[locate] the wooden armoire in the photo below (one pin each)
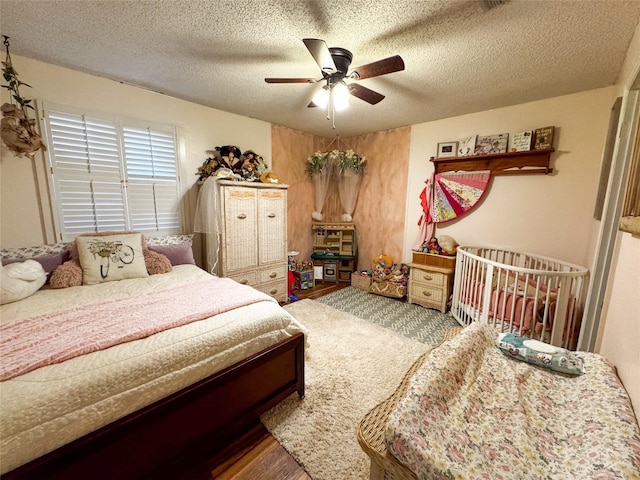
(253, 236)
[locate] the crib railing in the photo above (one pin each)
(527, 294)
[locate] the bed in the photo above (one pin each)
(468, 410)
(532, 295)
(155, 404)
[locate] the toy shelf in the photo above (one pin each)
(509, 163)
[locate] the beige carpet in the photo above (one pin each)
(351, 366)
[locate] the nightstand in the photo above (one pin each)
(430, 286)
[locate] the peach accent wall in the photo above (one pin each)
(289, 150)
(380, 210)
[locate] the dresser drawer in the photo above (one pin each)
(246, 278)
(428, 278)
(276, 272)
(277, 289)
(422, 293)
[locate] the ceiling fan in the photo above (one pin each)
(334, 64)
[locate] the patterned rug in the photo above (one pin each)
(413, 321)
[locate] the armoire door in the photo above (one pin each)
(240, 228)
(272, 225)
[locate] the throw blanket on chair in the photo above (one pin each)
(53, 338)
(472, 412)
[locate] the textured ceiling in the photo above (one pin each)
(459, 58)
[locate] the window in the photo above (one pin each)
(109, 174)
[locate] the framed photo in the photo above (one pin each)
(447, 149)
(543, 138)
(521, 141)
(467, 146)
(488, 144)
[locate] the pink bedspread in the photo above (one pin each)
(53, 338)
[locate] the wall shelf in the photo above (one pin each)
(510, 163)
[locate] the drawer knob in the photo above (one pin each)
(426, 294)
(242, 216)
(244, 281)
(271, 215)
(273, 275)
(274, 291)
(428, 277)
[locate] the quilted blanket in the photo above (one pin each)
(472, 412)
(53, 338)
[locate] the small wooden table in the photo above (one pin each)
(430, 286)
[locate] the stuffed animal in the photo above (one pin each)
(379, 273)
(448, 245)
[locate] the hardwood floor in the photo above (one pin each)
(263, 457)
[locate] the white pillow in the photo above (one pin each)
(20, 280)
(111, 257)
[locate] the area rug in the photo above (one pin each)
(351, 366)
(423, 324)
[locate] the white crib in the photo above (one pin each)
(523, 293)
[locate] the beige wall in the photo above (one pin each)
(551, 215)
(620, 323)
(24, 223)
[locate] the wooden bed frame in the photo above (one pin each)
(173, 437)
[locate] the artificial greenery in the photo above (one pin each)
(317, 162)
(344, 160)
(13, 83)
(350, 160)
(18, 130)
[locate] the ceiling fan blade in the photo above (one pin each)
(321, 54)
(364, 93)
(290, 80)
(381, 67)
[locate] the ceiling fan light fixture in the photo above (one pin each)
(340, 96)
(321, 98)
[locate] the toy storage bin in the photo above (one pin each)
(361, 282)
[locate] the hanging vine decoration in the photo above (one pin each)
(16, 129)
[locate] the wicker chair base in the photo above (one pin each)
(370, 430)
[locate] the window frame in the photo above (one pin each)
(119, 122)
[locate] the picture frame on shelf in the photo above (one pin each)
(490, 144)
(467, 146)
(543, 138)
(521, 141)
(447, 149)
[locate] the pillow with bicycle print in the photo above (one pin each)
(105, 258)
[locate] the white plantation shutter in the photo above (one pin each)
(150, 157)
(106, 177)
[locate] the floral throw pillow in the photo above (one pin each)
(112, 257)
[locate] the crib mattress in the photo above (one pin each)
(54, 405)
(471, 412)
